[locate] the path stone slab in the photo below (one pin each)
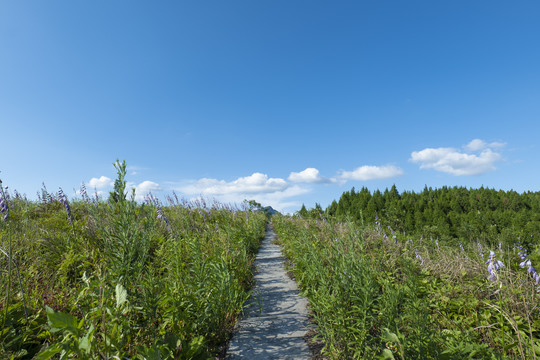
(275, 320)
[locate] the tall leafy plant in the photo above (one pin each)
(126, 238)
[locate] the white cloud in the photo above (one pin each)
(478, 144)
(475, 145)
(100, 183)
(135, 170)
(372, 172)
(253, 184)
(455, 162)
(142, 189)
(275, 192)
(279, 200)
(495, 145)
(147, 186)
(309, 175)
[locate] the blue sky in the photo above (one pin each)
(285, 102)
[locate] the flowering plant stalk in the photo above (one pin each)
(9, 254)
(493, 266)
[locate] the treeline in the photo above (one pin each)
(449, 212)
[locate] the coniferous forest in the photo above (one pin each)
(450, 213)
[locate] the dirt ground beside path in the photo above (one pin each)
(275, 323)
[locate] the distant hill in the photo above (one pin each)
(253, 205)
(270, 210)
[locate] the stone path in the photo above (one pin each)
(275, 321)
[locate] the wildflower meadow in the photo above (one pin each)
(94, 278)
(378, 294)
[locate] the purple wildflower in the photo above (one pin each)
(6, 193)
(524, 263)
(419, 257)
(84, 193)
(162, 216)
(3, 203)
(63, 198)
(493, 266)
(95, 200)
(378, 223)
(177, 201)
(480, 249)
(46, 196)
(530, 269)
(523, 253)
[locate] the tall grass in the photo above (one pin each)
(121, 279)
(378, 294)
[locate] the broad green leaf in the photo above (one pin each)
(84, 343)
(48, 352)
(389, 336)
(121, 295)
(62, 321)
(387, 354)
(153, 354)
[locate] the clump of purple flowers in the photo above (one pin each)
(480, 249)
(46, 196)
(378, 223)
(419, 257)
(522, 253)
(493, 266)
(527, 263)
(161, 216)
(84, 193)
(63, 199)
(150, 199)
(4, 210)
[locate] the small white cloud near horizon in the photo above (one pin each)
(100, 183)
(478, 144)
(369, 172)
(309, 175)
(142, 189)
(452, 161)
(253, 184)
(274, 192)
(135, 170)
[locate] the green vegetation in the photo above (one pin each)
(94, 279)
(444, 274)
(447, 213)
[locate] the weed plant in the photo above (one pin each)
(103, 279)
(378, 294)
